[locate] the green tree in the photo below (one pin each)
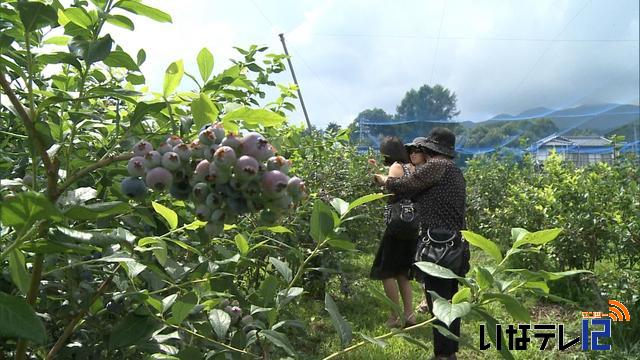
(333, 128)
(428, 103)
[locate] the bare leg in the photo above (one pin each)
(391, 289)
(407, 297)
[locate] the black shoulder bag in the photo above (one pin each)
(445, 248)
(401, 214)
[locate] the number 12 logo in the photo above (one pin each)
(596, 334)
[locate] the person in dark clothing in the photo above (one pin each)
(395, 254)
(438, 189)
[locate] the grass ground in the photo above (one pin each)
(367, 315)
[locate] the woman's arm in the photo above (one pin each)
(424, 178)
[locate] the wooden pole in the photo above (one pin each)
(293, 74)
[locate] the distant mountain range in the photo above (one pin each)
(600, 119)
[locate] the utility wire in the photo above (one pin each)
(535, 64)
(435, 53)
(454, 38)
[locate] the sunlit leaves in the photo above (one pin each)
(169, 215)
(264, 117)
(144, 10)
(205, 63)
(120, 58)
(446, 311)
(172, 77)
(121, 21)
(203, 111)
(483, 243)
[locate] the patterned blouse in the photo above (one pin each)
(438, 189)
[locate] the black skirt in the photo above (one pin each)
(395, 254)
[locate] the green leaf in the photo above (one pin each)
(27, 208)
(35, 15)
(78, 16)
(279, 229)
(537, 285)
(18, 320)
(518, 233)
(133, 267)
(484, 277)
(538, 238)
(168, 301)
(436, 270)
(342, 326)
(181, 307)
(282, 268)
(195, 225)
(464, 294)
(205, 63)
(268, 290)
(220, 322)
(278, 339)
(447, 312)
(342, 244)
(97, 210)
(18, 271)
(141, 56)
(61, 40)
(133, 329)
(322, 222)
(120, 58)
(242, 244)
(285, 296)
(515, 309)
(264, 117)
(546, 275)
(365, 199)
(340, 205)
(144, 10)
(185, 246)
(143, 108)
(172, 77)
(169, 215)
(121, 21)
(204, 111)
(374, 341)
(159, 249)
(486, 245)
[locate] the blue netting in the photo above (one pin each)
(372, 132)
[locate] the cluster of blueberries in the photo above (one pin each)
(224, 174)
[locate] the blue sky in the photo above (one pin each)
(502, 56)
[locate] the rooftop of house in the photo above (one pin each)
(581, 141)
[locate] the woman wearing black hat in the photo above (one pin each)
(397, 249)
(439, 191)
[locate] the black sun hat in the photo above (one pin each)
(442, 141)
(419, 142)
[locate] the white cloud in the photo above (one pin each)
(353, 55)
